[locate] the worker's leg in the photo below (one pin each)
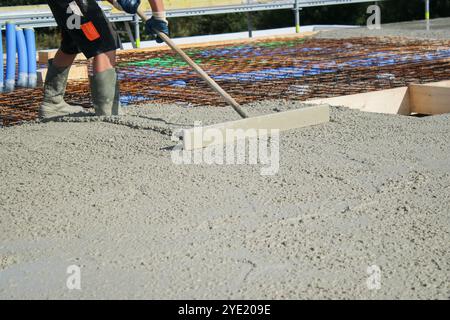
(63, 60)
(58, 69)
(105, 85)
(56, 82)
(96, 38)
(104, 61)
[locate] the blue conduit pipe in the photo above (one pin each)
(10, 56)
(1, 61)
(22, 80)
(30, 39)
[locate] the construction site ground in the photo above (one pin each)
(365, 190)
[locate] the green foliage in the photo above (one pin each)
(392, 10)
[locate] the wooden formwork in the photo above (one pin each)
(77, 72)
(428, 99)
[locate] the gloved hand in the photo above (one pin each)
(159, 25)
(129, 6)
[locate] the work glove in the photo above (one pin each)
(153, 25)
(129, 6)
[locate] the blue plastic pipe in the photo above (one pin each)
(10, 56)
(30, 39)
(22, 80)
(1, 61)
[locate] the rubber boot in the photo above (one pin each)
(105, 93)
(54, 90)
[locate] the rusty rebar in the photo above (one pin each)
(295, 69)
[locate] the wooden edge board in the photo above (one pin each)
(445, 84)
(225, 133)
(77, 72)
(45, 55)
(224, 42)
(429, 99)
(391, 101)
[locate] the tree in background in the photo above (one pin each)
(392, 11)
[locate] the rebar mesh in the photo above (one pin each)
(296, 69)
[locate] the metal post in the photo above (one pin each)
(137, 32)
(427, 13)
(250, 24)
(297, 17)
(130, 34)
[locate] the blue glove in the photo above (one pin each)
(129, 6)
(159, 25)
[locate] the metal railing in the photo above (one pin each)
(40, 16)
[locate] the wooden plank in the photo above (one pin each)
(429, 99)
(226, 42)
(194, 138)
(391, 101)
(445, 84)
(285, 37)
(45, 55)
(77, 72)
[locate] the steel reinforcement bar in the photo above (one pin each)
(294, 69)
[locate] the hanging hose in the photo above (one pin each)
(10, 56)
(1, 61)
(30, 40)
(22, 80)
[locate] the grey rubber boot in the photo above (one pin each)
(106, 93)
(54, 90)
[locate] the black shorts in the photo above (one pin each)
(84, 26)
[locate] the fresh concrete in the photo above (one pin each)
(365, 189)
